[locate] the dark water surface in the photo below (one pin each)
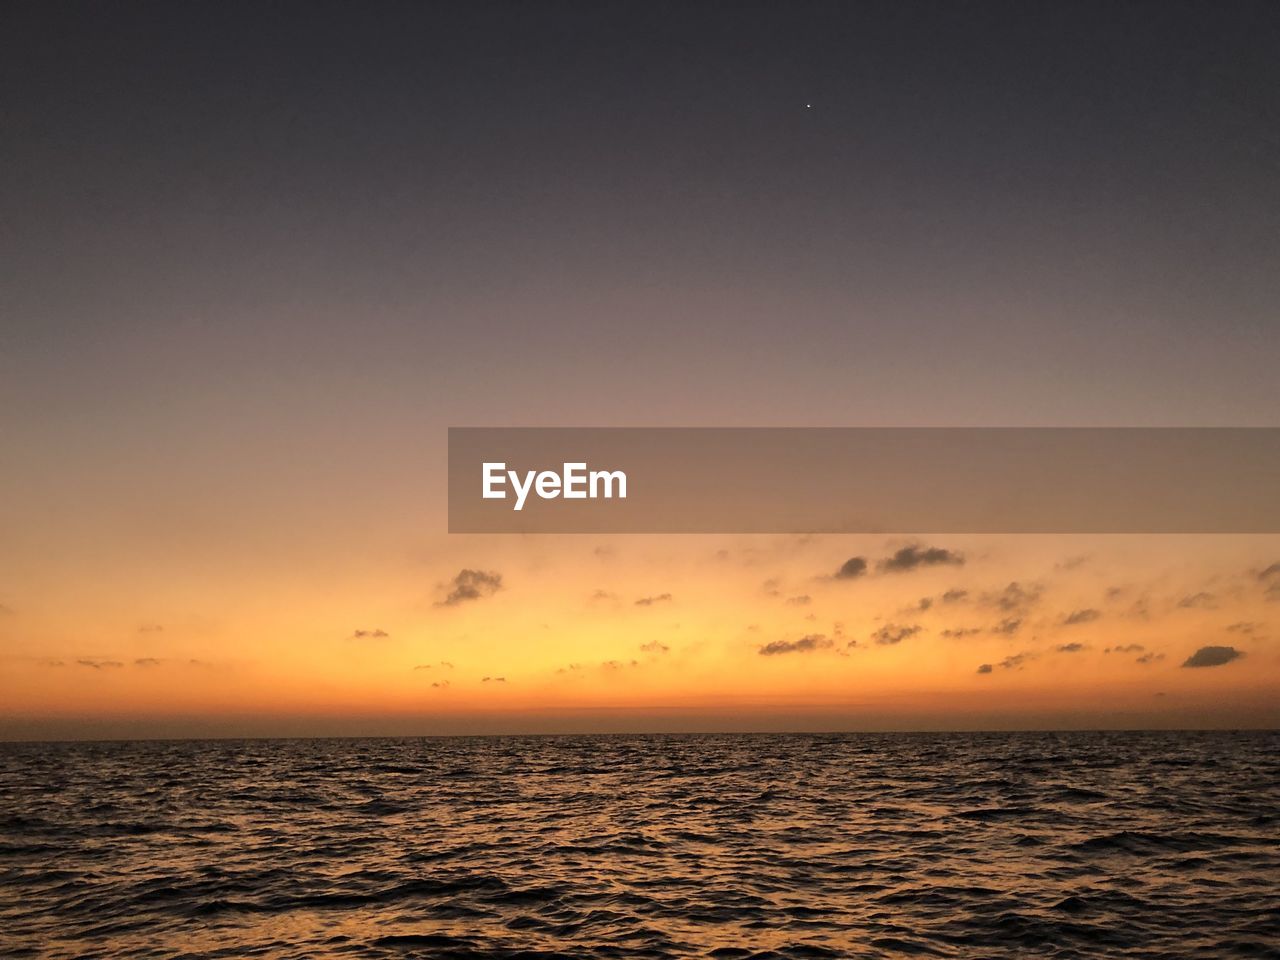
(986, 845)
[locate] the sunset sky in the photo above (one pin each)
(254, 261)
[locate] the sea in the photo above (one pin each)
(980, 845)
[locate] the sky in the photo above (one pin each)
(255, 261)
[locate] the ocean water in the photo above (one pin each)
(965, 845)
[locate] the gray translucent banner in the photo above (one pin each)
(864, 480)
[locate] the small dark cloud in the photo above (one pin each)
(1072, 563)
(440, 685)
(914, 557)
(493, 680)
(1076, 617)
(51, 662)
(924, 603)
(958, 633)
(814, 641)
(443, 665)
(151, 628)
(1008, 626)
(650, 601)
(1244, 626)
(147, 662)
(891, 634)
(1070, 647)
(1198, 600)
(471, 585)
(375, 634)
(100, 664)
(1150, 658)
(653, 646)
(955, 596)
(612, 665)
(1014, 597)
(800, 601)
(984, 668)
(1016, 661)
(603, 596)
(1271, 572)
(1212, 657)
(852, 568)
(1126, 648)
(771, 587)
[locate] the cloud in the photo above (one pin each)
(1016, 661)
(852, 568)
(814, 641)
(151, 628)
(914, 557)
(1244, 626)
(440, 685)
(961, 632)
(472, 585)
(100, 664)
(612, 665)
(1150, 658)
(1212, 657)
(1013, 597)
(375, 634)
(800, 601)
(443, 664)
(984, 668)
(653, 646)
(650, 601)
(954, 596)
(147, 662)
(1070, 647)
(924, 603)
(1202, 600)
(1272, 571)
(603, 596)
(1075, 617)
(1126, 648)
(493, 680)
(891, 634)
(1008, 626)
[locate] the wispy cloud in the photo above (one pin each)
(471, 585)
(1076, 617)
(650, 601)
(891, 634)
(1016, 661)
(1013, 598)
(375, 634)
(1199, 600)
(814, 641)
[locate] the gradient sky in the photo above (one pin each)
(254, 261)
